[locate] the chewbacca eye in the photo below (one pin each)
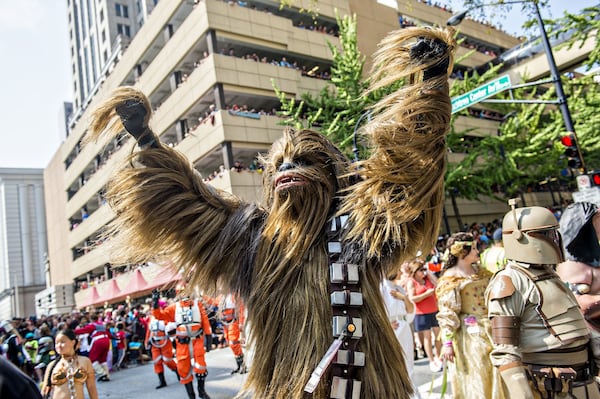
(303, 162)
(285, 166)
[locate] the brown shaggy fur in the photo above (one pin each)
(274, 255)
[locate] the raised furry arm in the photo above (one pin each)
(396, 206)
(163, 208)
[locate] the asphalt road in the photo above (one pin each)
(138, 382)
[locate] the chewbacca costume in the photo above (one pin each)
(312, 255)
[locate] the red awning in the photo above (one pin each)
(137, 284)
(165, 280)
(112, 293)
(92, 297)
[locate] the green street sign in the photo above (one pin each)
(481, 93)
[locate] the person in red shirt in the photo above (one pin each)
(100, 346)
(121, 336)
(192, 324)
(421, 290)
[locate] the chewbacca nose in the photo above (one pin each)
(285, 166)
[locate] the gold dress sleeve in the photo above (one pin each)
(449, 305)
(463, 311)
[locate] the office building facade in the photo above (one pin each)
(23, 243)
(208, 68)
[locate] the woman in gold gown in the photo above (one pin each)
(465, 329)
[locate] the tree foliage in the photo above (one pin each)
(577, 29)
(525, 151)
(340, 108)
(527, 148)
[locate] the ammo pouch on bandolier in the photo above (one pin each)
(551, 380)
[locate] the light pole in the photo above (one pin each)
(560, 93)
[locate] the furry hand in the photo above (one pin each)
(133, 114)
(428, 49)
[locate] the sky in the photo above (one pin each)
(34, 69)
(36, 75)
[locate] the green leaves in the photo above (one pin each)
(524, 150)
(585, 25)
(336, 109)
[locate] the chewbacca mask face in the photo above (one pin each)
(302, 164)
(303, 173)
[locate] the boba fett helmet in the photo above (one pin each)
(530, 235)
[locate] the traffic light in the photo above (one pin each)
(571, 152)
(595, 178)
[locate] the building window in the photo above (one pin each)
(103, 35)
(101, 15)
(121, 10)
(123, 30)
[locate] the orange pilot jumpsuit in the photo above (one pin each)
(232, 316)
(162, 350)
(192, 324)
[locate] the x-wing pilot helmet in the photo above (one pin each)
(181, 291)
(185, 291)
(530, 235)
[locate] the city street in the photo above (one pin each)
(139, 381)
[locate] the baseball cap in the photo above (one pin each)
(497, 234)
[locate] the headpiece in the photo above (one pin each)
(458, 246)
(415, 265)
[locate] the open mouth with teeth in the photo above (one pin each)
(289, 180)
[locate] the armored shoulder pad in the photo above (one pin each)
(502, 287)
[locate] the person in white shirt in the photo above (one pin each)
(401, 312)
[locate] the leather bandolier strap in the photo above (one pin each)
(346, 301)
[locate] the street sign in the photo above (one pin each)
(481, 93)
(588, 195)
(583, 182)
